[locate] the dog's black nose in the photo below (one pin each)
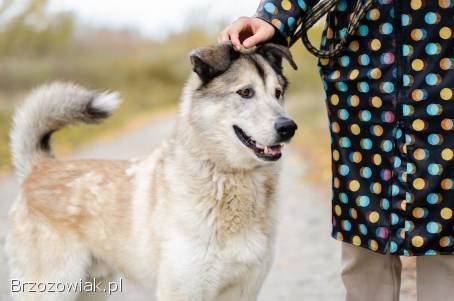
(285, 127)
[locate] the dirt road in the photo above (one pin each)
(307, 262)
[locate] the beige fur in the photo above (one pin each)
(194, 219)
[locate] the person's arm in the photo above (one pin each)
(275, 20)
(284, 15)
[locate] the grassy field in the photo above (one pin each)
(148, 74)
(147, 79)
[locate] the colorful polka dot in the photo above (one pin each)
(354, 185)
(446, 241)
(446, 213)
(374, 217)
(417, 241)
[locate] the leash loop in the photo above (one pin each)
(316, 13)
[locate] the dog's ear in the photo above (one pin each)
(211, 61)
(274, 53)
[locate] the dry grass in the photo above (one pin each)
(148, 74)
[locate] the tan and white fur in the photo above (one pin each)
(195, 219)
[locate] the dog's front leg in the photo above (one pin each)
(184, 289)
(186, 273)
(247, 287)
(253, 283)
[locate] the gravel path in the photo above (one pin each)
(307, 263)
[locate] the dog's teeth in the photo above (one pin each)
(266, 149)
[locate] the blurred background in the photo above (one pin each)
(140, 48)
(137, 47)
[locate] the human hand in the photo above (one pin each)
(247, 32)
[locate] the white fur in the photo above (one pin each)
(199, 224)
(49, 108)
(107, 101)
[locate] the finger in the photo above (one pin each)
(223, 37)
(258, 37)
(238, 29)
(235, 39)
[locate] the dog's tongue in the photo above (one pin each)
(273, 150)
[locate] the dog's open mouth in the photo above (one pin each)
(265, 152)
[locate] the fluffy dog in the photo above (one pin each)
(195, 219)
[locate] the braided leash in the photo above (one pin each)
(316, 13)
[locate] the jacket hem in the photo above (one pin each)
(379, 251)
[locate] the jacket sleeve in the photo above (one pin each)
(284, 15)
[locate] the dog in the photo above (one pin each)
(194, 220)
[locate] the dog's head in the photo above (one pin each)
(236, 103)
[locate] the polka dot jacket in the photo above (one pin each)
(391, 109)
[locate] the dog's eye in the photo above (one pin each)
(278, 93)
(246, 93)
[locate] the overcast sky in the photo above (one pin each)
(155, 17)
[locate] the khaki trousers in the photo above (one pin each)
(370, 276)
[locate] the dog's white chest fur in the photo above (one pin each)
(213, 225)
(233, 212)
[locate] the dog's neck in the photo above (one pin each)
(193, 148)
(231, 200)
(199, 161)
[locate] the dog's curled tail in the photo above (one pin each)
(48, 109)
